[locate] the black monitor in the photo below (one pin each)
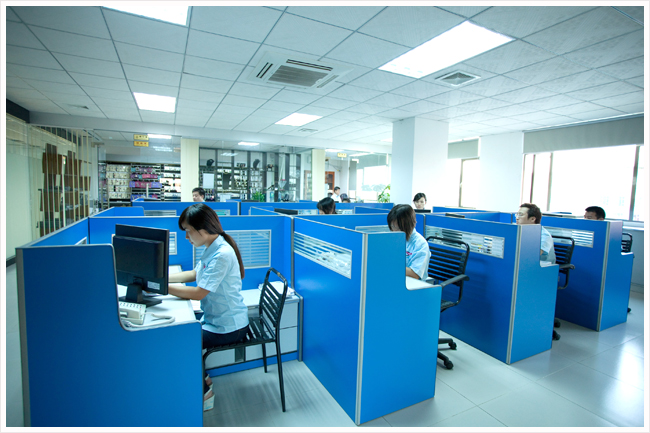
(422, 210)
(141, 262)
(286, 211)
(455, 215)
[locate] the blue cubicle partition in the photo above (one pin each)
(367, 222)
(309, 205)
(508, 304)
(366, 338)
(437, 209)
(365, 209)
(598, 293)
(71, 334)
(175, 208)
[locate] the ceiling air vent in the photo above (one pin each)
(307, 130)
(457, 78)
(303, 72)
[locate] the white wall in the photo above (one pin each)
(501, 166)
(18, 204)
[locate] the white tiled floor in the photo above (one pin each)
(587, 379)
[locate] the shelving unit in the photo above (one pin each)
(102, 185)
(170, 179)
(145, 181)
(128, 181)
(117, 182)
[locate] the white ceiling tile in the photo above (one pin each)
(391, 100)
(155, 76)
(526, 94)
(551, 102)
(513, 55)
(31, 57)
(77, 45)
(493, 86)
(498, 121)
(603, 91)
(84, 20)
(410, 25)
(268, 114)
(635, 12)
(48, 86)
(196, 121)
(216, 47)
(284, 107)
(366, 51)
(349, 17)
(16, 83)
(18, 34)
(252, 90)
(522, 126)
(193, 111)
(65, 100)
(145, 32)
(637, 81)
(199, 95)
(626, 99)
(631, 109)
(252, 125)
(15, 94)
(149, 57)
(476, 117)
(624, 70)
(122, 114)
(352, 93)
(80, 111)
(367, 109)
(421, 89)
(347, 116)
(204, 106)
(422, 107)
(295, 97)
(612, 51)
(219, 123)
(557, 120)
(212, 68)
(278, 129)
(511, 110)
(570, 110)
(466, 11)
(227, 21)
(396, 114)
(11, 16)
(108, 93)
(235, 110)
(375, 120)
(449, 113)
(590, 28)
(333, 103)
(304, 35)
(533, 117)
(90, 66)
(100, 82)
(153, 89)
(328, 122)
(382, 81)
(484, 104)
(520, 21)
(355, 71)
(598, 114)
(454, 97)
(105, 103)
(195, 82)
(243, 101)
(42, 74)
(552, 69)
(157, 117)
(40, 105)
(576, 82)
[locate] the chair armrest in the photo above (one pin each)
(456, 279)
(567, 266)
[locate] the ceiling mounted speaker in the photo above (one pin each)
(301, 72)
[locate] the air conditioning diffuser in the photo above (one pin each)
(296, 71)
(457, 78)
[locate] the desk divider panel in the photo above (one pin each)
(72, 234)
(599, 287)
(175, 208)
(361, 209)
(80, 366)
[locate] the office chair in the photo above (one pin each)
(264, 328)
(563, 253)
(447, 266)
(626, 247)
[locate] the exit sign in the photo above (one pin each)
(140, 137)
(141, 143)
(341, 155)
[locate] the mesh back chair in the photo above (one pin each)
(447, 266)
(626, 247)
(265, 328)
(564, 246)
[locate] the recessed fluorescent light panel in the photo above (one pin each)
(297, 119)
(166, 104)
(164, 137)
(453, 46)
(228, 154)
(245, 143)
(176, 14)
(360, 154)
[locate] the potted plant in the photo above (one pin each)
(258, 196)
(384, 195)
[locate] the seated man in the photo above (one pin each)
(530, 214)
(198, 194)
(595, 213)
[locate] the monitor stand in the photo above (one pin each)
(134, 294)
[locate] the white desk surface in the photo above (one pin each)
(413, 284)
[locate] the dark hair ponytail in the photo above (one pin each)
(203, 217)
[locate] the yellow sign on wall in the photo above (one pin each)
(141, 143)
(140, 137)
(341, 155)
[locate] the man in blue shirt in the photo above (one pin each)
(531, 214)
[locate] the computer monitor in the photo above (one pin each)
(455, 215)
(286, 211)
(141, 262)
(422, 210)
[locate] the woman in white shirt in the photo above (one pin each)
(218, 278)
(401, 218)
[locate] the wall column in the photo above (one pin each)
(418, 161)
(318, 174)
(502, 159)
(189, 167)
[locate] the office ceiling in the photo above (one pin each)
(80, 65)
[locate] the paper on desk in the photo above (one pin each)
(279, 286)
(196, 305)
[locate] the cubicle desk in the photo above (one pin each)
(599, 288)
(370, 339)
(508, 303)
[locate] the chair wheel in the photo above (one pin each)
(557, 323)
(449, 365)
(629, 309)
(452, 345)
(556, 336)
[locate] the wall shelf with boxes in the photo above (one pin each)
(170, 179)
(129, 181)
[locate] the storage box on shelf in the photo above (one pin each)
(170, 180)
(117, 180)
(145, 181)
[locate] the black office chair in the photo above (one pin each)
(447, 266)
(264, 328)
(626, 247)
(563, 253)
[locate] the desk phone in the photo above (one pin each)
(132, 312)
